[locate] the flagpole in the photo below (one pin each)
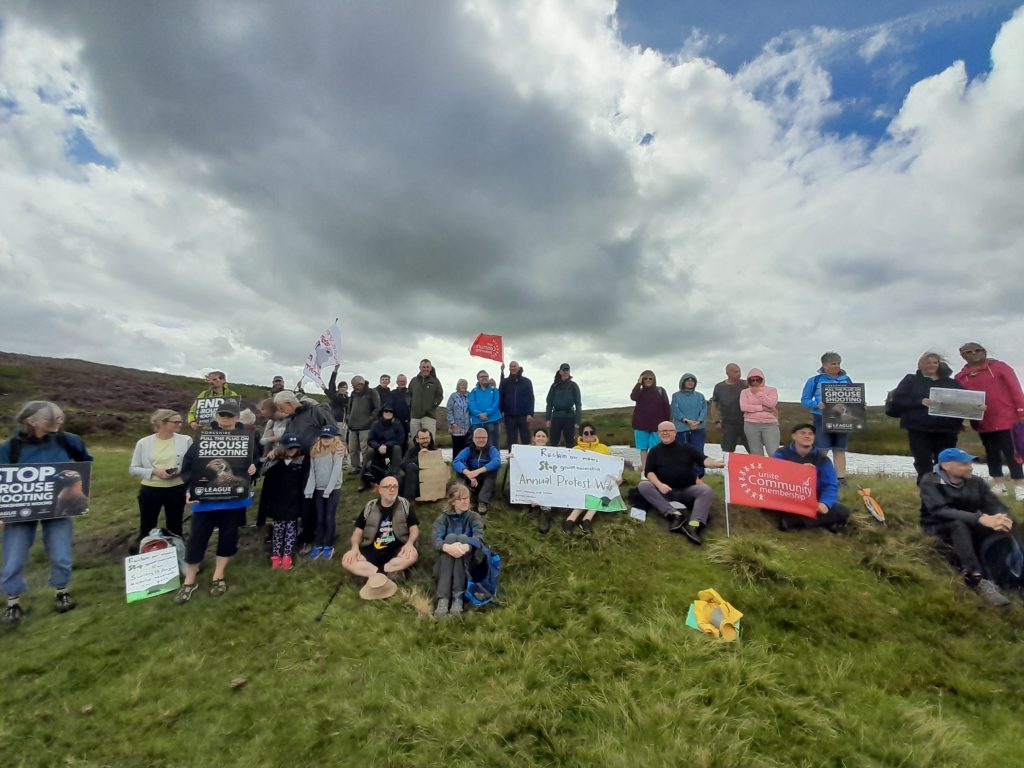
(728, 532)
(725, 472)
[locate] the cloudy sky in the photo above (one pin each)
(664, 184)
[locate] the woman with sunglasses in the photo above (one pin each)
(652, 408)
(157, 460)
(1004, 407)
(587, 441)
(760, 407)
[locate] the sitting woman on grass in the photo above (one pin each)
(587, 441)
(457, 536)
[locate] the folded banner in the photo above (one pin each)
(487, 346)
(326, 351)
(565, 477)
(785, 486)
(44, 491)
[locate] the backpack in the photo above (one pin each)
(891, 409)
(62, 440)
(1002, 560)
(160, 538)
(482, 581)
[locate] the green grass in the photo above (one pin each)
(858, 650)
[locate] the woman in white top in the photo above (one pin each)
(157, 460)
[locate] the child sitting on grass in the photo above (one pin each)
(457, 536)
(284, 481)
(327, 458)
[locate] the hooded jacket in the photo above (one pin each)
(754, 401)
(425, 395)
(469, 524)
(564, 400)
(363, 407)
(688, 405)
(943, 501)
(483, 400)
(811, 396)
(652, 406)
(1004, 401)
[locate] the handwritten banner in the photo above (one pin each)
(151, 574)
(44, 491)
(565, 477)
(785, 486)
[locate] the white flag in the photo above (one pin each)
(326, 351)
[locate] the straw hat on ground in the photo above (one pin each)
(378, 587)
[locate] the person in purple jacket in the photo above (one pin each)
(652, 408)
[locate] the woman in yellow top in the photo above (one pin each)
(587, 441)
(157, 460)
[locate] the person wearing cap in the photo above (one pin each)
(928, 435)
(283, 497)
(363, 409)
(652, 408)
(962, 511)
(1004, 407)
(157, 459)
(383, 448)
(217, 386)
(830, 372)
(563, 411)
(39, 438)
(516, 400)
(323, 486)
(276, 385)
(760, 406)
(689, 412)
(207, 515)
(725, 410)
(671, 476)
(477, 466)
(802, 450)
(385, 535)
(485, 406)
(457, 536)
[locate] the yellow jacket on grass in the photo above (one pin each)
(715, 616)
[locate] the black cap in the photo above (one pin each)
(563, 367)
(228, 408)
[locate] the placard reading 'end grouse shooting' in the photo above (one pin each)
(207, 407)
(844, 408)
(221, 470)
(44, 491)
(565, 477)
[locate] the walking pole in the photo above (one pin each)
(331, 598)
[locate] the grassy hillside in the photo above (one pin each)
(859, 649)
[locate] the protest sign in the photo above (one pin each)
(151, 574)
(565, 477)
(785, 486)
(487, 346)
(44, 491)
(958, 403)
(326, 351)
(221, 469)
(844, 408)
(207, 407)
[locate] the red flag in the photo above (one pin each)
(785, 486)
(487, 346)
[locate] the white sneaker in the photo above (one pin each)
(999, 488)
(1018, 491)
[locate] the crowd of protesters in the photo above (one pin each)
(302, 447)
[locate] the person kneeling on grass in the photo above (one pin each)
(672, 477)
(282, 497)
(457, 536)
(587, 441)
(207, 515)
(327, 460)
(831, 514)
(477, 466)
(962, 511)
(384, 539)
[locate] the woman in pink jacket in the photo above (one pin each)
(759, 405)
(1004, 407)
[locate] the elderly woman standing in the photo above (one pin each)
(928, 435)
(458, 416)
(157, 460)
(39, 438)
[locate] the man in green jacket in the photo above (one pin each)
(202, 413)
(426, 393)
(563, 413)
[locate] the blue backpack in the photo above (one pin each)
(482, 584)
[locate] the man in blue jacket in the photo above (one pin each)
(831, 514)
(517, 404)
(477, 465)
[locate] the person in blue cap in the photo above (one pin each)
(963, 512)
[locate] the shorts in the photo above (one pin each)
(378, 557)
(826, 440)
(645, 440)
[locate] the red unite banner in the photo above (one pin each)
(487, 346)
(757, 481)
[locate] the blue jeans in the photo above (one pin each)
(18, 540)
(696, 438)
(493, 432)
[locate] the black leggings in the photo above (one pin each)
(999, 451)
(152, 499)
(925, 447)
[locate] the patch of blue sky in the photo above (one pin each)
(78, 148)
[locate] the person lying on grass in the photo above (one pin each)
(457, 535)
(385, 535)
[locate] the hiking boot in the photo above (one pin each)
(441, 609)
(482, 507)
(286, 563)
(327, 553)
(544, 520)
(676, 522)
(587, 526)
(991, 593)
(184, 593)
(218, 586)
(65, 602)
(315, 553)
(456, 607)
(568, 526)
(12, 616)
(275, 563)
(692, 532)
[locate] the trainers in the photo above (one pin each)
(305, 549)
(286, 563)
(65, 602)
(544, 523)
(999, 488)
(568, 526)
(482, 507)
(327, 553)
(184, 593)
(218, 586)
(587, 526)
(1018, 492)
(676, 522)
(456, 607)
(441, 609)
(991, 593)
(692, 532)
(315, 553)
(12, 616)
(275, 563)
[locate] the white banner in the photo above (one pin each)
(326, 351)
(151, 574)
(565, 477)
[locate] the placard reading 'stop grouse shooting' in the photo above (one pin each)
(221, 469)
(44, 491)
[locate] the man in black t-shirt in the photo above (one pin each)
(384, 539)
(671, 475)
